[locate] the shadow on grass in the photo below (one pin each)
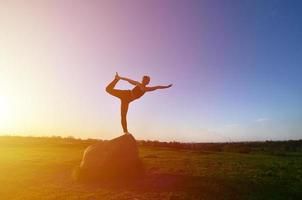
(179, 185)
(199, 187)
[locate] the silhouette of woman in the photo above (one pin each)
(127, 96)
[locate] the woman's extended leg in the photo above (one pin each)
(110, 89)
(124, 110)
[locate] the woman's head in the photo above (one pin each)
(146, 80)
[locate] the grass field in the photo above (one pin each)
(41, 168)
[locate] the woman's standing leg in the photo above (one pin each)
(125, 97)
(124, 110)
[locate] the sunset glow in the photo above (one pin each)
(5, 111)
(229, 72)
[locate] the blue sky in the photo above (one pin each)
(235, 66)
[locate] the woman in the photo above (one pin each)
(127, 96)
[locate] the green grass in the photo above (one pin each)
(41, 168)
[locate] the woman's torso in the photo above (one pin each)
(136, 92)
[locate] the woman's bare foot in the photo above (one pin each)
(117, 76)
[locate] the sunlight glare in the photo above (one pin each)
(5, 111)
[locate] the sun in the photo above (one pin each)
(5, 111)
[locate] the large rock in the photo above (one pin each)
(117, 158)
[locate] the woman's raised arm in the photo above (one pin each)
(128, 79)
(148, 89)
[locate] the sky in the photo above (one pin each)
(235, 65)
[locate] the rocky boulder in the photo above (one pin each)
(114, 159)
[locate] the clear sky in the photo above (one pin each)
(236, 66)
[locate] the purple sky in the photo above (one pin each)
(235, 66)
